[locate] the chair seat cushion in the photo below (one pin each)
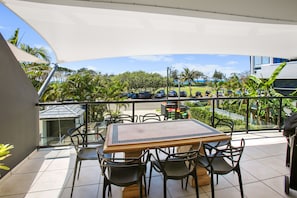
(124, 176)
(86, 153)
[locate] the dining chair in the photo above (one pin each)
(223, 122)
(222, 161)
(127, 118)
(175, 166)
(150, 117)
(120, 118)
(123, 172)
(84, 150)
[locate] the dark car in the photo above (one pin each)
(160, 94)
(183, 94)
(132, 95)
(144, 95)
(207, 93)
(172, 93)
(198, 94)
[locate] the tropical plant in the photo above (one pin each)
(257, 87)
(4, 153)
(37, 73)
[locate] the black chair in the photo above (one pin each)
(176, 166)
(150, 117)
(123, 172)
(222, 161)
(127, 118)
(120, 118)
(80, 142)
(225, 122)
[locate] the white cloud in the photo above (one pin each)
(153, 58)
(231, 63)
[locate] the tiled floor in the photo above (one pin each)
(48, 173)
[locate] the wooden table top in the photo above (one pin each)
(131, 137)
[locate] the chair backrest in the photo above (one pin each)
(224, 122)
(230, 154)
(188, 158)
(79, 138)
(76, 137)
(109, 163)
(127, 118)
(150, 117)
(120, 118)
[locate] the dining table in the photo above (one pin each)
(133, 138)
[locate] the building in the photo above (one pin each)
(54, 122)
(286, 81)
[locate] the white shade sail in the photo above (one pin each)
(23, 56)
(82, 30)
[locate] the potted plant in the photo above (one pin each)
(4, 153)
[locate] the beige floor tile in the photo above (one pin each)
(32, 166)
(18, 184)
(60, 164)
(278, 184)
(276, 164)
(223, 183)
(258, 170)
(89, 191)
(14, 196)
(45, 194)
(231, 192)
(246, 178)
(87, 176)
(259, 190)
(51, 180)
(175, 189)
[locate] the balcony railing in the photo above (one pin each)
(248, 113)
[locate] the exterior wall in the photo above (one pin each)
(289, 72)
(286, 81)
(19, 113)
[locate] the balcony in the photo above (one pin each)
(48, 172)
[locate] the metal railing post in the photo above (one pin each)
(247, 116)
(87, 120)
(213, 112)
(280, 114)
(133, 111)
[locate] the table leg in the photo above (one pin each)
(133, 190)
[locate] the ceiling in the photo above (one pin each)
(83, 30)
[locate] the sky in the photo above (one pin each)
(205, 63)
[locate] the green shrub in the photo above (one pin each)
(4, 153)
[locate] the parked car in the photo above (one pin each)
(172, 93)
(183, 94)
(133, 95)
(145, 95)
(198, 94)
(207, 93)
(160, 94)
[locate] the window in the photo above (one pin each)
(260, 60)
(279, 60)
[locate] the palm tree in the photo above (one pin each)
(38, 52)
(37, 73)
(189, 76)
(15, 38)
